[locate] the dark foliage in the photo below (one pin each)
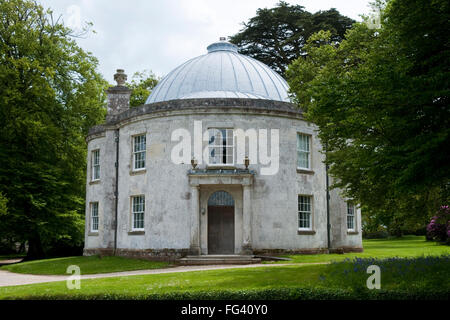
(277, 36)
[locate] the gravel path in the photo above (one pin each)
(15, 279)
(10, 261)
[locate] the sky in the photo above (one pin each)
(157, 36)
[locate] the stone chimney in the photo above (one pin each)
(118, 96)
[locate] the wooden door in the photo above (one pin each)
(220, 229)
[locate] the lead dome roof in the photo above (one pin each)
(221, 73)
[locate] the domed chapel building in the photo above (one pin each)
(217, 162)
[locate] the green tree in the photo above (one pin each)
(277, 36)
(5, 237)
(50, 95)
(3, 213)
(3, 205)
(380, 99)
(142, 84)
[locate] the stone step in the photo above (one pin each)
(218, 259)
(220, 256)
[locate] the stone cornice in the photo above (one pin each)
(205, 105)
(242, 177)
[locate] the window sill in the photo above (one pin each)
(352, 232)
(94, 181)
(136, 172)
(306, 232)
(136, 233)
(93, 233)
(305, 171)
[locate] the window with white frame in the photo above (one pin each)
(221, 147)
(303, 151)
(139, 150)
(95, 165)
(304, 213)
(137, 212)
(350, 216)
(94, 216)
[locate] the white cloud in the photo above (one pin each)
(160, 35)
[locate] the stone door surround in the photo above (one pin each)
(224, 178)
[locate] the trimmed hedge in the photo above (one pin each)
(263, 294)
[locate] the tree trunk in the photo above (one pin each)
(35, 250)
(22, 247)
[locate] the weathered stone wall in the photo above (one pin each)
(102, 192)
(168, 193)
(340, 237)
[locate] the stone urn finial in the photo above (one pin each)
(246, 162)
(120, 77)
(194, 163)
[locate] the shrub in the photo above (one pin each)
(439, 226)
(380, 234)
(295, 293)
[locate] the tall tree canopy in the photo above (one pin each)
(50, 94)
(142, 84)
(277, 36)
(381, 101)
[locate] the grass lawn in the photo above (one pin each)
(88, 265)
(420, 272)
(131, 286)
(407, 246)
(337, 280)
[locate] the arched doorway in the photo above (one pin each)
(220, 223)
